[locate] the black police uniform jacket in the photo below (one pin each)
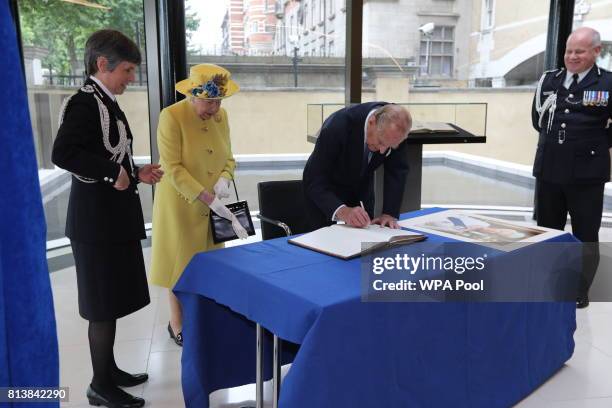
(574, 148)
(337, 172)
(97, 212)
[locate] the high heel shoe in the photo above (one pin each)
(119, 399)
(178, 338)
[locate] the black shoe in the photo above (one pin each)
(178, 338)
(116, 398)
(582, 302)
(123, 379)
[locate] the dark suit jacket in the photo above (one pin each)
(583, 157)
(96, 211)
(334, 173)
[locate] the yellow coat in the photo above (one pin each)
(194, 153)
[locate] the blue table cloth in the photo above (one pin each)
(356, 354)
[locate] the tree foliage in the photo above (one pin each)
(192, 22)
(61, 28)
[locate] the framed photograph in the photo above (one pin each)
(470, 227)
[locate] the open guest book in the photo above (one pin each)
(346, 242)
(432, 127)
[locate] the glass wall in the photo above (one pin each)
(288, 55)
(456, 52)
(53, 39)
(598, 15)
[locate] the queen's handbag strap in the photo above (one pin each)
(236, 190)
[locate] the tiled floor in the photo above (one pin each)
(143, 345)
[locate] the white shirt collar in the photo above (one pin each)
(569, 79)
(105, 89)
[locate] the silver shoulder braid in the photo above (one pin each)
(550, 104)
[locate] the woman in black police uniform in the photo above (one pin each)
(104, 221)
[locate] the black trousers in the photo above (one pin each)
(584, 203)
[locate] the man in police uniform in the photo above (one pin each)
(570, 111)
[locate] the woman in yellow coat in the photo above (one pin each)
(195, 153)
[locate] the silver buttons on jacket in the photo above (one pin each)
(563, 125)
(566, 110)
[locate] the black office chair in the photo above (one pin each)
(282, 212)
(281, 208)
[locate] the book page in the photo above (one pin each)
(344, 241)
(380, 234)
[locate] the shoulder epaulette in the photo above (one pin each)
(558, 71)
(92, 89)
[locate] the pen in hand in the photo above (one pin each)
(366, 213)
(355, 216)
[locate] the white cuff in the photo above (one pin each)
(335, 212)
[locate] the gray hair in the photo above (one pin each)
(594, 34)
(112, 45)
(393, 114)
(595, 39)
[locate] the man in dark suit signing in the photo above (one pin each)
(339, 175)
(570, 111)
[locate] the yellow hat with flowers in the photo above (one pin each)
(208, 81)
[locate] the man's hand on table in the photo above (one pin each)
(385, 220)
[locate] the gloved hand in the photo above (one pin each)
(238, 228)
(222, 188)
(221, 210)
